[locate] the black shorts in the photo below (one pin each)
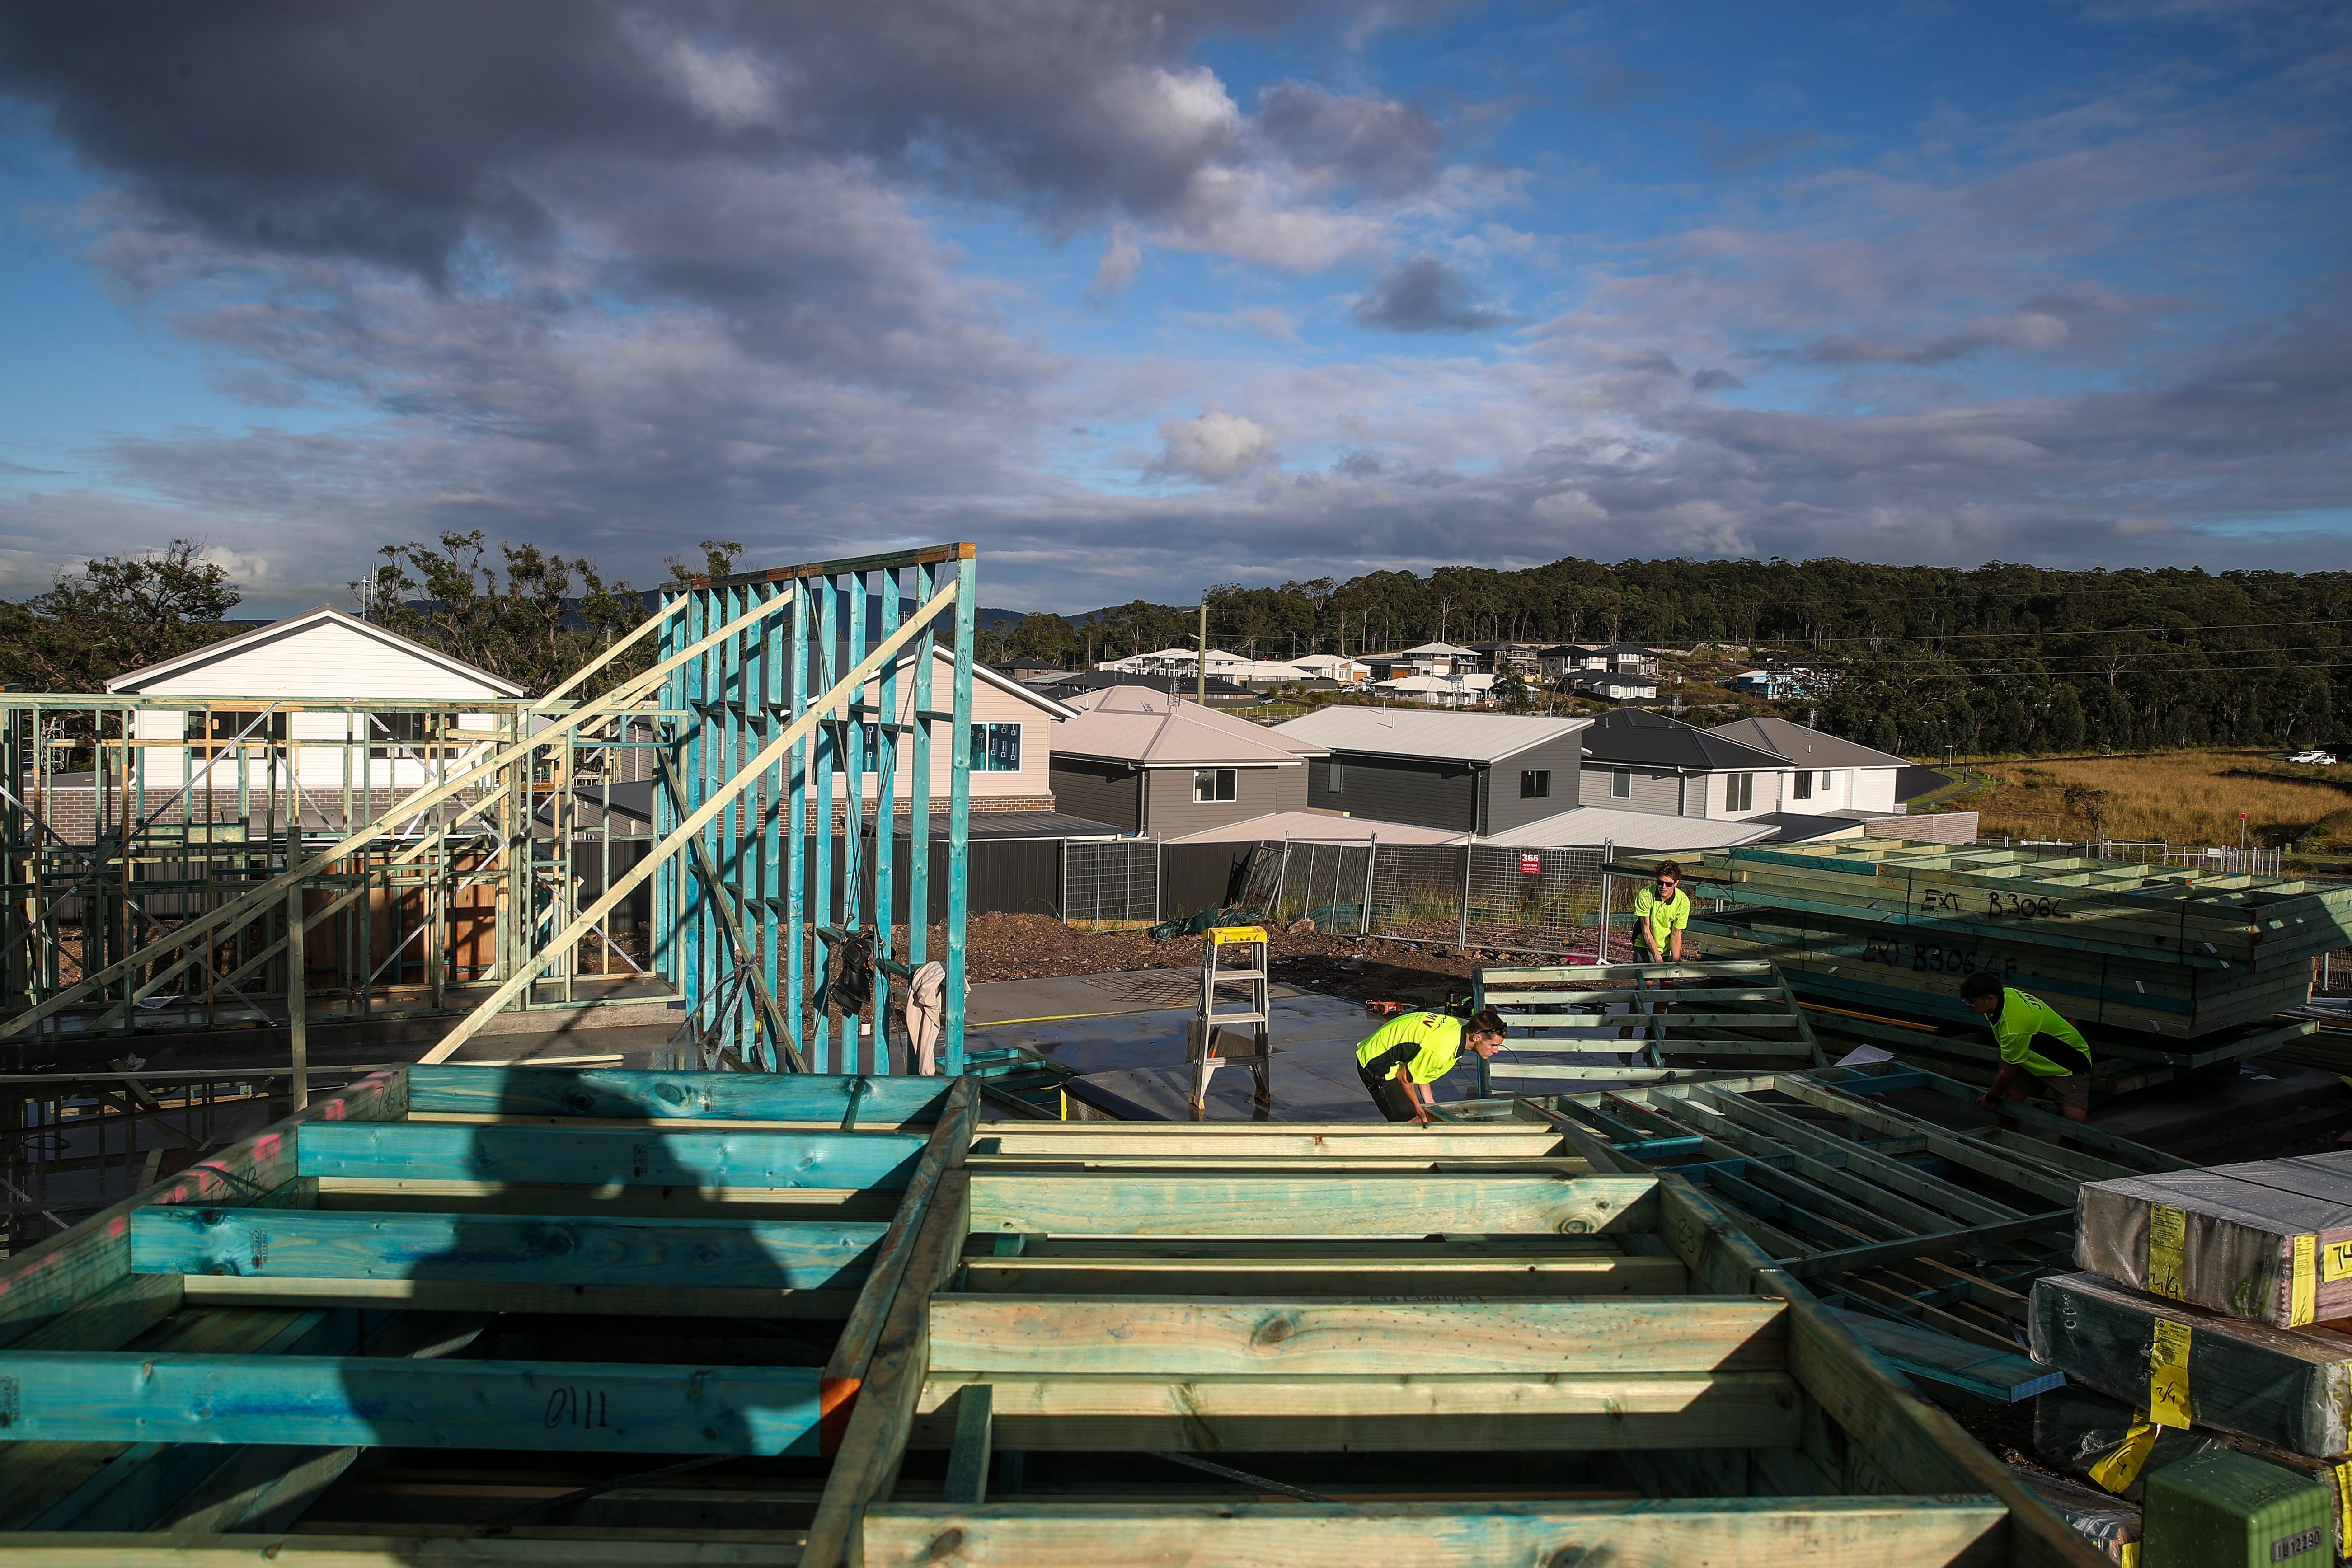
(1395, 1102)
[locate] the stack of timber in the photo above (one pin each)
(537, 1316)
(1742, 1013)
(2215, 1304)
(2167, 970)
(1929, 1237)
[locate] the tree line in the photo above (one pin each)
(1914, 659)
(1998, 658)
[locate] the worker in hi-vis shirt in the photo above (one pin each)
(1399, 1060)
(1662, 913)
(2041, 1053)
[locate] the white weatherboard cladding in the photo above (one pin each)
(325, 660)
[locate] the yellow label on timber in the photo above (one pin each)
(2121, 1466)
(2167, 1375)
(2339, 1481)
(2168, 1238)
(2127, 1553)
(2336, 1261)
(2302, 1286)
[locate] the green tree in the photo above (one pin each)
(116, 612)
(532, 628)
(2063, 724)
(1511, 691)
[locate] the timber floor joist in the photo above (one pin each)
(584, 1317)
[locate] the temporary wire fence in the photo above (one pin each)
(1551, 900)
(1110, 883)
(2221, 860)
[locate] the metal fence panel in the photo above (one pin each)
(1416, 892)
(1535, 900)
(1110, 881)
(1325, 883)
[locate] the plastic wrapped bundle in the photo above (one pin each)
(2270, 1239)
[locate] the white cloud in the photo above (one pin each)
(1216, 447)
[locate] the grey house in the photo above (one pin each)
(1635, 760)
(1151, 763)
(1463, 773)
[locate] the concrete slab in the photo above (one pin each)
(1079, 997)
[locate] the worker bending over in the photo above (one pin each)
(1662, 913)
(2041, 1053)
(1399, 1060)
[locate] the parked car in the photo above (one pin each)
(2315, 758)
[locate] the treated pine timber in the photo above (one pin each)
(1179, 1339)
(614, 1094)
(57, 1275)
(458, 1550)
(507, 1295)
(2001, 1377)
(1280, 1278)
(333, 1401)
(966, 1482)
(598, 1155)
(1352, 1205)
(688, 1254)
(374, 1194)
(1818, 1265)
(1523, 1164)
(1713, 1532)
(1263, 1140)
(873, 1443)
(1365, 1413)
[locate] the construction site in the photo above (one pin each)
(480, 1129)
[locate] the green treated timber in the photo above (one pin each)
(1286, 1279)
(1711, 1533)
(1875, 1254)
(338, 1400)
(2002, 1377)
(1395, 1413)
(67, 1271)
(1501, 998)
(1805, 1138)
(451, 1546)
(1959, 1151)
(1576, 1020)
(616, 1094)
(1169, 1336)
(966, 1482)
(1343, 1204)
(503, 1248)
(641, 1300)
(599, 1156)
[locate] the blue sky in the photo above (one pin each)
(1242, 293)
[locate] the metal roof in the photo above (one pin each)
(1644, 739)
(1798, 827)
(1157, 730)
(1319, 827)
(134, 680)
(1630, 830)
(1426, 732)
(1806, 748)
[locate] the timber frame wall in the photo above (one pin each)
(599, 1317)
(281, 863)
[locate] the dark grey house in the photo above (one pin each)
(1151, 763)
(1463, 773)
(1635, 760)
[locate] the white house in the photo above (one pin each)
(1175, 661)
(1012, 729)
(320, 655)
(1437, 690)
(1827, 776)
(1333, 667)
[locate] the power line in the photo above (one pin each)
(2080, 632)
(2169, 670)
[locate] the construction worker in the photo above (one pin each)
(1661, 913)
(2041, 1053)
(1399, 1060)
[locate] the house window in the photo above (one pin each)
(1829, 783)
(404, 734)
(1212, 783)
(1805, 785)
(227, 723)
(1339, 776)
(996, 748)
(1536, 784)
(1739, 792)
(1621, 782)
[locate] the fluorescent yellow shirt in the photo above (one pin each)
(1428, 1044)
(2025, 1019)
(1665, 916)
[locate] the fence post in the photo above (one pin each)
(1364, 913)
(1601, 940)
(1469, 854)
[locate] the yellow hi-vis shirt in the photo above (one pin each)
(1665, 916)
(2024, 1017)
(1428, 1044)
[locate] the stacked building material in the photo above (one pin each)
(2216, 1306)
(2167, 970)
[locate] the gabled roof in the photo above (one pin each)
(1644, 739)
(134, 680)
(1156, 729)
(1439, 648)
(1806, 748)
(1628, 648)
(1426, 732)
(1320, 827)
(1629, 830)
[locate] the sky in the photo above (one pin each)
(1146, 299)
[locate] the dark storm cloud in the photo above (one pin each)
(1422, 294)
(1374, 142)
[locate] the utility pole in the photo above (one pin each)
(1202, 669)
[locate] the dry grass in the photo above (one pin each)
(2179, 797)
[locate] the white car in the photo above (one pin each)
(2315, 758)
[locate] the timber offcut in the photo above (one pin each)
(497, 1315)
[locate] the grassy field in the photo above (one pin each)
(2179, 797)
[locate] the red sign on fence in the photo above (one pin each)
(1531, 865)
